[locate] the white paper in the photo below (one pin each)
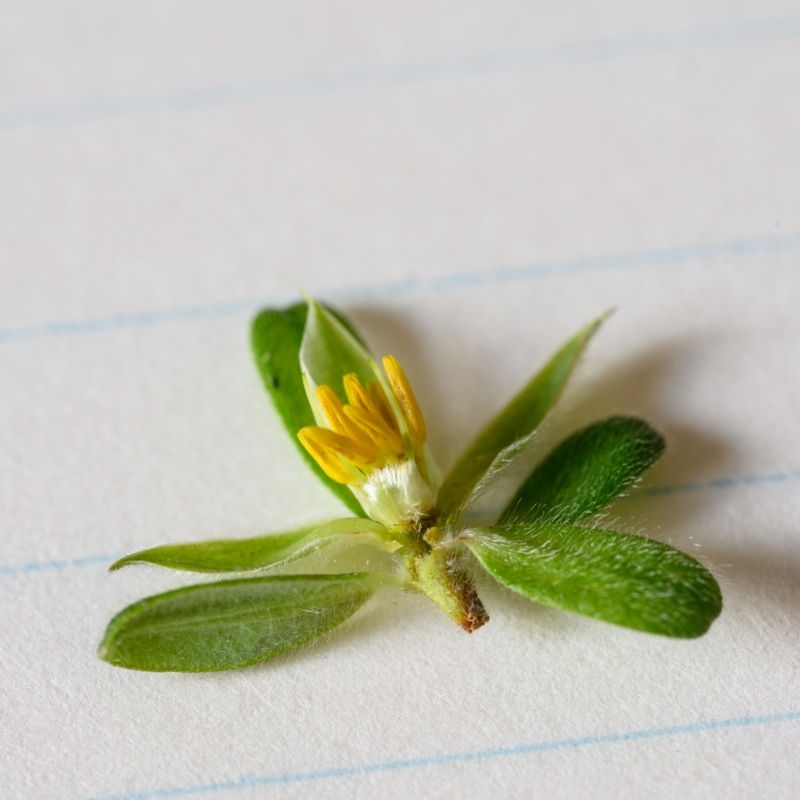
(469, 182)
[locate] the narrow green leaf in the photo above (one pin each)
(586, 472)
(230, 624)
(518, 419)
(617, 577)
(243, 555)
(329, 351)
(276, 337)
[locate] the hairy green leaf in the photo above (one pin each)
(276, 336)
(518, 419)
(230, 624)
(586, 472)
(617, 577)
(242, 555)
(329, 351)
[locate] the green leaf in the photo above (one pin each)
(276, 337)
(586, 472)
(518, 419)
(329, 351)
(230, 624)
(243, 555)
(617, 577)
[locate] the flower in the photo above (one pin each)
(371, 436)
(375, 444)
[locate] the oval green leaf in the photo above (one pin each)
(518, 419)
(616, 577)
(259, 552)
(276, 336)
(231, 624)
(586, 472)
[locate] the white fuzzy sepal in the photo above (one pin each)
(398, 495)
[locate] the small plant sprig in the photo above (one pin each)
(362, 432)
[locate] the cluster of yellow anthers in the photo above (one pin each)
(365, 434)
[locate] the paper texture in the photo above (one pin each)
(470, 183)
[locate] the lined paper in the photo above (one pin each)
(470, 183)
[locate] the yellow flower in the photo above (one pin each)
(375, 444)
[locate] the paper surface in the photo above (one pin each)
(470, 183)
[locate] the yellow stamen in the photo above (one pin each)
(337, 419)
(385, 439)
(378, 397)
(365, 434)
(409, 407)
(330, 463)
(356, 453)
(357, 395)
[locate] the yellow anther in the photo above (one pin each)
(386, 440)
(409, 407)
(331, 406)
(358, 454)
(330, 463)
(337, 419)
(357, 395)
(378, 397)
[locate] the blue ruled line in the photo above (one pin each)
(44, 566)
(249, 782)
(652, 491)
(723, 483)
(733, 248)
(638, 45)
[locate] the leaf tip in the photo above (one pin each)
(592, 328)
(103, 651)
(106, 650)
(609, 312)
